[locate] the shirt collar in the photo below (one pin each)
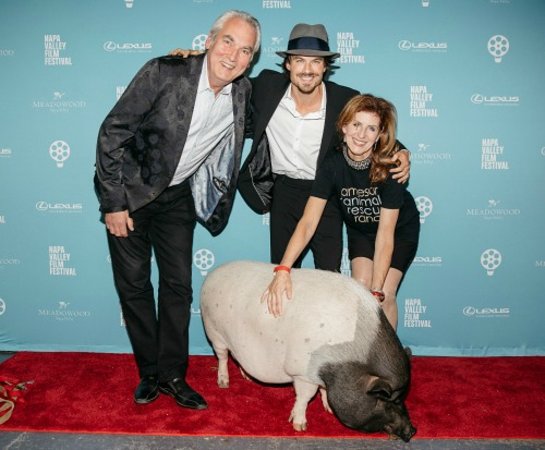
(204, 84)
(321, 111)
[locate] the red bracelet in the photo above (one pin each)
(379, 295)
(286, 268)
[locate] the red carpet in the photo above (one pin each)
(450, 398)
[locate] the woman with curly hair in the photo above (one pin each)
(381, 217)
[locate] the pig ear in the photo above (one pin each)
(379, 388)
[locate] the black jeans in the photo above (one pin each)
(159, 334)
(289, 199)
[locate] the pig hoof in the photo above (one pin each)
(222, 383)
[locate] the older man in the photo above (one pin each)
(168, 155)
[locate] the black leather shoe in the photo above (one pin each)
(184, 394)
(147, 390)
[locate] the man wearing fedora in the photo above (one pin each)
(293, 128)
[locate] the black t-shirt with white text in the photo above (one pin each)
(360, 202)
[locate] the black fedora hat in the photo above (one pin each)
(308, 40)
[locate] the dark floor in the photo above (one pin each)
(56, 441)
(67, 441)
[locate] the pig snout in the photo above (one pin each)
(404, 430)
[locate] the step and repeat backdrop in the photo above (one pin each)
(466, 77)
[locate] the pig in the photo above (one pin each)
(332, 335)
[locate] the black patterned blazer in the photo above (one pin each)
(142, 138)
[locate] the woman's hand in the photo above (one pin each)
(184, 53)
(274, 295)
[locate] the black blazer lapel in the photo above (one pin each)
(269, 100)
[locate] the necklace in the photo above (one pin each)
(358, 165)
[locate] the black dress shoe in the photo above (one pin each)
(184, 394)
(147, 390)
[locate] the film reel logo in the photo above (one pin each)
(199, 42)
(424, 206)
(59, 152)
(490, 260)
(204, 259)
(498, 46)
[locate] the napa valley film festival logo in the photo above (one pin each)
(348, 47)
(5, 152)
(420, 102)
(54, 50)
(64, 311)
(495, 100)
(276, 4)
(424, 206)
(498, 46)
(2, 306)
(266, 220)
(414, 314)
(204, 259)
(406, 45)
(492, 154)
(128, 3)
(59, 260)
(58, 102)
(494, 210)
(59, 151)
(491, 259)
(2, 219)
(7, 52)
(275, 44)
(127, 47)
(424, 154)
(44, 206)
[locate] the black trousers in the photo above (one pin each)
(159, 333)
(289, 199)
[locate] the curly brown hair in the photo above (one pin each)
(386, 144)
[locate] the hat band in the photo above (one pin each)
(308, 43)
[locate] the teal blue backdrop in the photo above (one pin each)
(467, 77)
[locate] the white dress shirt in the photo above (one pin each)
(295, 139)
(212, 120)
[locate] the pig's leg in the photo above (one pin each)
(304, 391)
(223, 372)
(323, 395)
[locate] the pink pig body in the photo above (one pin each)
(329, 325)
